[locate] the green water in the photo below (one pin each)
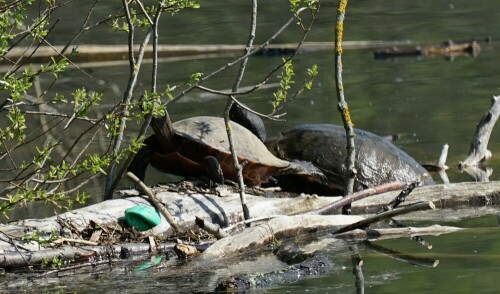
(428, 101)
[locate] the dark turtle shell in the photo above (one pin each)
(378, 161)
(198, 137)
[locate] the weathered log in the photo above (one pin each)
(96, 53)
(448, 196)
(479, 146)
(227, 210)
(17, 259)
(284, 226)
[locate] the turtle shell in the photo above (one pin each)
(378, 161)
(202, 136)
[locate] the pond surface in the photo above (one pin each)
(428, 101)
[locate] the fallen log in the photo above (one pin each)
(446, 196)
(227, 210)
(99, 53)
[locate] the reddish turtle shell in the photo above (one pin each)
(198, 137)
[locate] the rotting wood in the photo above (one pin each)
(479, 146)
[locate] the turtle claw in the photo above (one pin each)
(213, 169)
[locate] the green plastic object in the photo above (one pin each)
(142, 217)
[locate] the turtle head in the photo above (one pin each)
(249, 120)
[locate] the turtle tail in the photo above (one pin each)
(300, 167)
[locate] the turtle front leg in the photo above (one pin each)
(213, 170)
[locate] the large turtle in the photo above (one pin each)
(188, 146)
(378, 161)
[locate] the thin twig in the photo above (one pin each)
(385, 215)
(332, 207)
(147, 120)
(134, 72)
(170, 219)
(342, 106)
(239, 77)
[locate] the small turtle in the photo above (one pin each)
(324, 145)
(182, 149)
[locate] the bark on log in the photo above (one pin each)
(277, 228)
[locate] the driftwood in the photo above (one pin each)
(275, 229)
(447, 196)
(227, 210)
(447, 49)
(479, 147)
(99, 53)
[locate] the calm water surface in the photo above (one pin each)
(428, 101)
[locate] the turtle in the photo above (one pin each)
(188, 148)
(378, 161)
